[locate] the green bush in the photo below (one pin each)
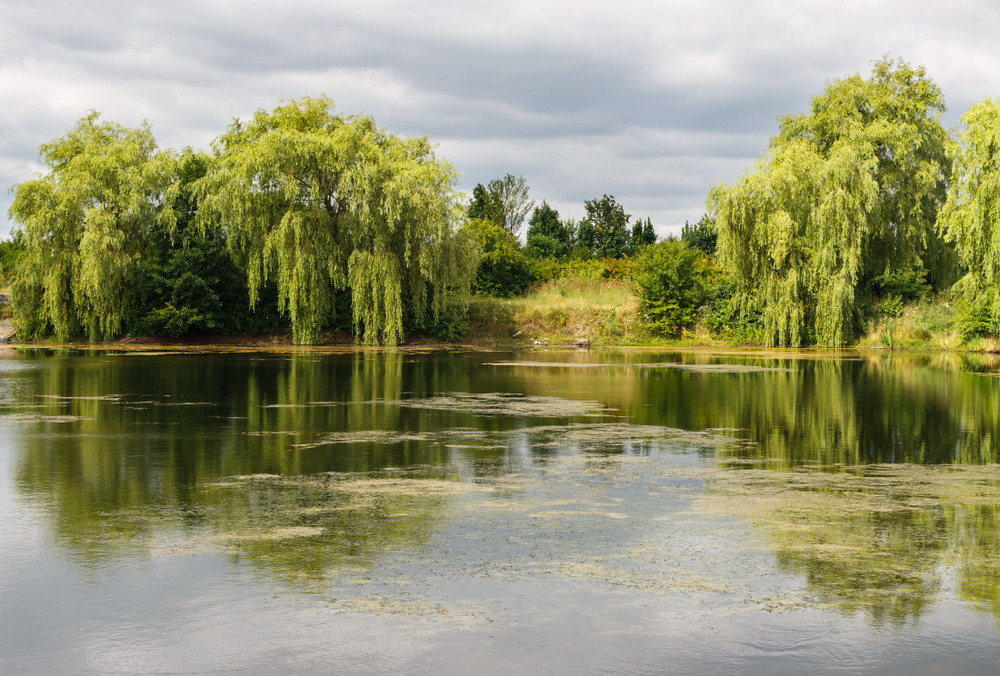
(672, 282)
(193, 285)
(890, 306)
(727, 318)
(504, 270)
(979, 318)
(908, 285)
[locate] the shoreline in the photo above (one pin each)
(281, 344)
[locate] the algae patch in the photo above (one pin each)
(679, 366)
(366, 436)
(38, 417)
(874, 539)
(502, 403)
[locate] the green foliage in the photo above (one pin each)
(972, 213)
(907, 284)
(319, 203)
(701, 236)
(193, 285)
(11, 251)
(544, 246)
(618, 269)
(642, 236)
(189, 282)
(504, 201)
(980, 316)
(604, 232)
(548, 237)
(586, 238)
(729, 316)
(890, 306)
(847, 192)
(503, 270)
(85, 225)
(481, 206)
(672, 282)
(451, 325)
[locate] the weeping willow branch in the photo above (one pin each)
(848, 192)
(319, 203)
(86, 224)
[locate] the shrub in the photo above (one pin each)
(672, 282)
(908, 285)
(890, 306)
(503, 268)
(729, 319)
(978, 318)
(504, 272)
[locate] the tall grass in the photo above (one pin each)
(561, 311)
(604, 312)
(580, 293)
(927, 324)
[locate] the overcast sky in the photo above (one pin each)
(649, 101)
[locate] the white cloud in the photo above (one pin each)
(646, 100)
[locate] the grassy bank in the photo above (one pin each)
(568, 311)
(560, 311)
(928, 324)
(605, 312)
(595, 312)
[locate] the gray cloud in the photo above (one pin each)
(651, 101)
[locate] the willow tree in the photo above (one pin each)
(846, 194)
(320, 202)
(972, 213)
(85, 224)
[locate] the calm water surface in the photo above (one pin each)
(535, 512)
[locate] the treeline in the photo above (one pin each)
(599, 245)
(306, 219)
(860, 205)
(300, 218)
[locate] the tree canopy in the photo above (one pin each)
(847, 192)
(321, 202)
(85, 227)
(604, 231)
(504, 201)
(548, 237)
(701, 236)
(643, 234)
(971, 215)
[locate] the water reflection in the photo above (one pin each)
(809, 408)
(877, 539)
(311, 467)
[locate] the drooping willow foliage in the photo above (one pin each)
(971, 216)
(84, 224)
(321, 202)
(317, 205)
(846, 193)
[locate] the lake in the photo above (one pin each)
(535, 512)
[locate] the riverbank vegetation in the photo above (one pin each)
(864, 222)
